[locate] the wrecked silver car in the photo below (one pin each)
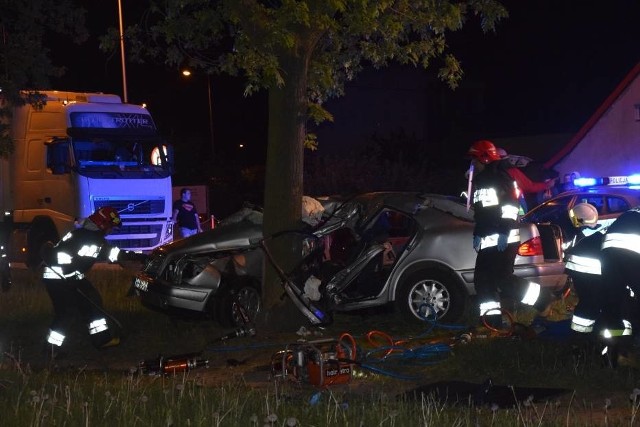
(411, 250)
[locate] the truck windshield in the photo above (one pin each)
(124, 153)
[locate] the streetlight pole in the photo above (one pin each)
(122, 56)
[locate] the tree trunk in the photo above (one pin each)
(284, 186)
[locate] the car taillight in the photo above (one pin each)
(531, 247)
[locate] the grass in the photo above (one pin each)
(96, 389)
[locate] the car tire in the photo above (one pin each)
(431, 288)
(247, 293)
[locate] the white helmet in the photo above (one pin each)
(584, 215)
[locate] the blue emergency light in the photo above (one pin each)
(587, 182)
(634, 179)
(607, 180)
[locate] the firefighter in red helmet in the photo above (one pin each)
(496, 237)
(65, 266)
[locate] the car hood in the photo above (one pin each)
(239, 235)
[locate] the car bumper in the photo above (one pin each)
(164, 296)
(547, 275)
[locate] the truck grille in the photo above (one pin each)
(133, 207)
(135, 243)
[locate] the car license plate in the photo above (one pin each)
(141, 284)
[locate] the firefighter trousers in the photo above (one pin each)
(494, 279)
(72, 297)
(621, 278)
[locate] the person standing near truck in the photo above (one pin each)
(185, 215)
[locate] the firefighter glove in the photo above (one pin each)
(502, 242)
(477, 240)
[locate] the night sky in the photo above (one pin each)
(545, 70)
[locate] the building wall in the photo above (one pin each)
(612, 146)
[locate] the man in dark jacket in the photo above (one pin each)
(496, 238)
(66, 264)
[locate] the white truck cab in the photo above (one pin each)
(74, 153)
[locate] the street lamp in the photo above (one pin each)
(124, 71)
(187, 73)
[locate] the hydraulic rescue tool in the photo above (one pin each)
(186, 362)
(172, 364)
(320, 363)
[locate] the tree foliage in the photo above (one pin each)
(338, 37)
(25, 61)
(302, 52)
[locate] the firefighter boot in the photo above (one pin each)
(105, 339)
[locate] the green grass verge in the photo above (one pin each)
(82, 394)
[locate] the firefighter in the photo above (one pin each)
(582, 265)
(620, 259)
(496, 238)
(583, 218)
(66, 264)
(528, 188)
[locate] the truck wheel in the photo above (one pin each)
(42, 230)
(430, 291)
(245, 293)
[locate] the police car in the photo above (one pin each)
(611, 196)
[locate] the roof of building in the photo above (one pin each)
(604, 107)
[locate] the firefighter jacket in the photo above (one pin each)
(624, 232)
(77, 252)
(495, 202)
(584, 256)
(582, 264)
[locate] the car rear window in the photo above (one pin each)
(617, 205)
(595, 200)
(550, 211)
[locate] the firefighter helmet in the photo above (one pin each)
(584, 215)
(105, 218)
(484, 151)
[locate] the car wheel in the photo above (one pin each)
(247, 294)
(430, 291)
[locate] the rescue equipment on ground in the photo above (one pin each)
(246, 329)
(242, 331)
(171, 365)
(320, 363)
